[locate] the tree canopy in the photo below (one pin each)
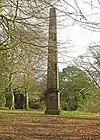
(75, 87)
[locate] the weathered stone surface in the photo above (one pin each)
(52, 94)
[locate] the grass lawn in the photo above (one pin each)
(71, 114)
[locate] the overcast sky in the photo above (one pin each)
(75, 35)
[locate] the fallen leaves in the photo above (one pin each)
(38, 127)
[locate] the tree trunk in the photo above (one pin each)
(26, 100)
(12, 101)
(10, 90)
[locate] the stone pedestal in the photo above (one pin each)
(52, 104)
(52, 93)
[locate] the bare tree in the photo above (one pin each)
(90, 62)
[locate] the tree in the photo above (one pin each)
(23, 39)
(74, 87)
(24, 34)
(90, 62)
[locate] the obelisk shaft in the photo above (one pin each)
(52, 94)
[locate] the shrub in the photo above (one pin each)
(64, 106)
(92, 103)
(35, 104)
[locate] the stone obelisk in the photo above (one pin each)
(52, 93)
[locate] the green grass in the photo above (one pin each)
(65, 114)
(22, 111)
(6, 114)
(78, 114)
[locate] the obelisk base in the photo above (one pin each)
(52, 104)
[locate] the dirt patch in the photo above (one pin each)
(36, 127)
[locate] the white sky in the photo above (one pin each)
(79, 37)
